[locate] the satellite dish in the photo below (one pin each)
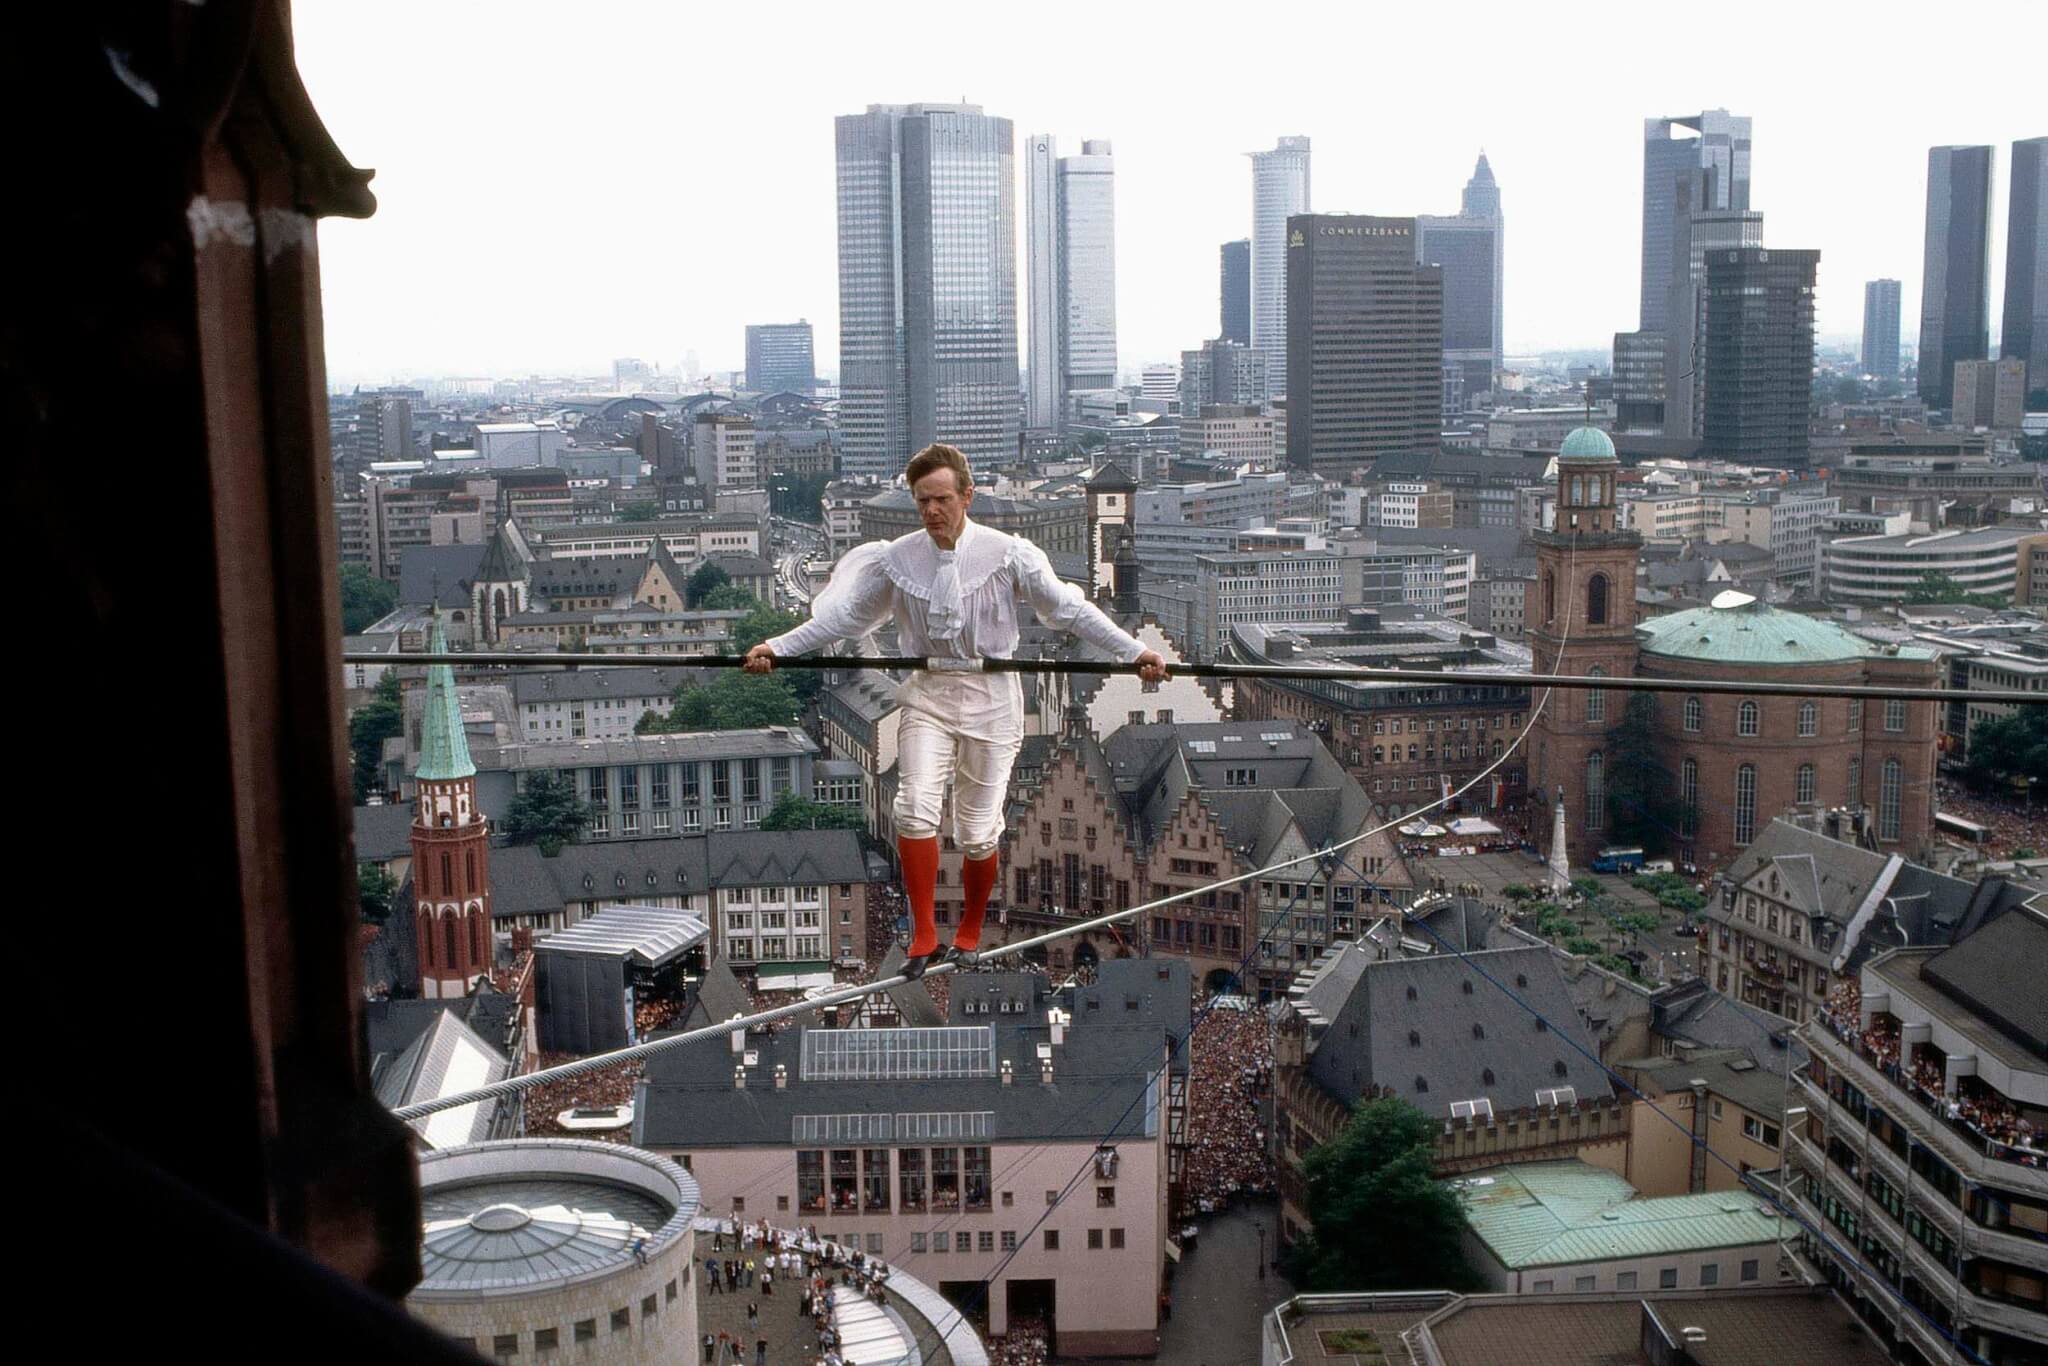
(1728, 600)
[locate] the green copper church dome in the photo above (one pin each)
(1738, 629)
(1587, 443)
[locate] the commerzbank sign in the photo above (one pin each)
(1354, 230)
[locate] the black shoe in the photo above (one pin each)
(964, 958)
(913, 968)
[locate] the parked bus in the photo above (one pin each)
(1619, 859)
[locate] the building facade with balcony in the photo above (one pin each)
(1923, 1152)
(953, 1152)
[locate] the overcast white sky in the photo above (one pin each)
(561, 184)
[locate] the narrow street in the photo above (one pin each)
(1218, 1298)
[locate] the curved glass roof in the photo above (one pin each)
(1740, 630)
(528, 1231)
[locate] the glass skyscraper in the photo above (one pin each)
(1721, 149)
(1881, 329)
(1070, 275)
(1955, 281)
(1280, 189)
(1468, 247)
(2024, 332)
(927, 285)
(1236, 270)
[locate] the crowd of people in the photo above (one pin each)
(2010, 825)
(591, 1091)
(1028, 1343)
(1230, 1066)
(1985, 1113)
(753, 1258)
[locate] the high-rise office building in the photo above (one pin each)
(1990, 393)
(1468, 248)
(1881, 329)
(1756, 349)
(1237, 291)
(1639, 381)
(1696, 230)
(1280, 190)
(1365, 343)
(1721, 151)
(1224, 372)
(1955, 281)
(779, 358)
(927, 285)
(1070, 269)
(2024, 330)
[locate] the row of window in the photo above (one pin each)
(596, 784)
(549, 1339)
(1667, 1278)
(1890, 795)
(1749, 717)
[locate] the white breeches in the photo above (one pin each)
(932, 751)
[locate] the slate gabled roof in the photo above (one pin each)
(1996, 972)
(1424, 1046)
(524, 882)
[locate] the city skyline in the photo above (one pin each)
(555, 288)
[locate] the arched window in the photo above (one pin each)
(1692, 715)
(469, 866)
(1379, 753)
(477, 955)
(448, 928)
(1746, 719)
(447, 873)
(1596, 600)
(1855, 793)
(1689, 798)
(1578, 490)
(1805, 793)
(1888, 800)
(1549, 597)
(1809, 719)
(498, 607)
(1745, 804)
(1414, 753)
(1596, 791)
(1596, 700)
(426, 942)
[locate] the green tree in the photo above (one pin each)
(1640, 806)
(707, 577)
(1382, 1221)
(639, 512)
(364, 598)
(2011, 747)
(375, 888)
(1587, 889)
(795, 812)
(1578, 943)
(546, 812)
(1519, 892)
(734, 701)
(368, 728)
(1937, 588)
(727, 597)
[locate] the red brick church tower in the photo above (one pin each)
(451, 850)
(1582, 620)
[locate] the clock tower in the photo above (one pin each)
(1582, 620)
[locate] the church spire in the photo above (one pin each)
(444, 749)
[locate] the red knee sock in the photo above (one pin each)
(920, 883)
(977, 879)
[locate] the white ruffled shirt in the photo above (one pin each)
(956, 604)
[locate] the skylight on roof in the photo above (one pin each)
(1277, 735)
(1202, 746)
(899, 1054)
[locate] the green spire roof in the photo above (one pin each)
(1587, 443)
(444, 749)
